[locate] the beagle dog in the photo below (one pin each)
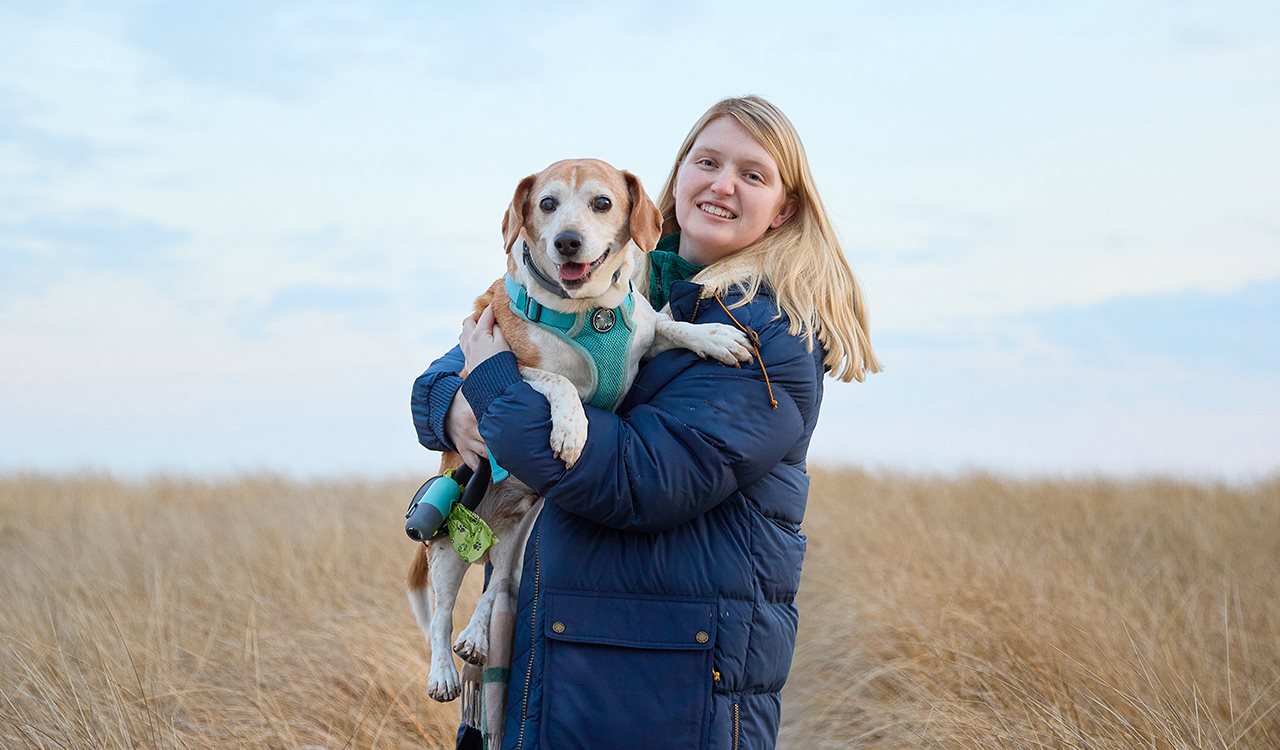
(576, 235)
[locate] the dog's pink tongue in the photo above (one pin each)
(573, 271)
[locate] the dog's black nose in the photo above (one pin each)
(568, 243)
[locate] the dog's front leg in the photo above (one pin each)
(715, 340)
(447, 570)
(568, 419)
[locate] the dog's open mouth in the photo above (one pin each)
(574, 275)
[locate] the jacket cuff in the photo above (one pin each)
(489, 380)
(439, 400)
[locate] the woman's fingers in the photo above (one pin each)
(471, 445)
(498, 338)
(471, 459)
(473, 451)
(485, 322)
(482, 339)
(461, 430)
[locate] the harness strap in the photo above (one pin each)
(524, 305)
(602, 335)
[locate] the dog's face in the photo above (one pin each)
(577, 216)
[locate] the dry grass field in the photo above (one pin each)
(972, 612)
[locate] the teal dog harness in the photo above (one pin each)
(602, 335)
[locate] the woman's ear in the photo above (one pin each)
(513, 219)
(785, 213)
(646, 222)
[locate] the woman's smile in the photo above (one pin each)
(717, 211)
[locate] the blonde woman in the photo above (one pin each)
(657, 605)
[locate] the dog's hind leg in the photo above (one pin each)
(447, 570)
(515, 554)
(473, 642)
(502, 622)
(506, 507)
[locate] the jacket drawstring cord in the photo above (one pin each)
(755, 345)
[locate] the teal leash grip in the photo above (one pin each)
(498, 473)
(432, 502)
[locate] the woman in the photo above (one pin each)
(657, 603)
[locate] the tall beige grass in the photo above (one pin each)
(990, 613)
(957, 613)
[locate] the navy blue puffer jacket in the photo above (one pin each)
(657, 606)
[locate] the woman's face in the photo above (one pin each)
(728, 193)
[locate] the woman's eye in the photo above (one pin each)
(705, 162)
(755, 177)
(548, 204)
(601, 204)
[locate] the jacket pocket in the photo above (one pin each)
(627, 671)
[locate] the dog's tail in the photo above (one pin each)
(420, 590)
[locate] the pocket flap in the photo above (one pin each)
(630, 620)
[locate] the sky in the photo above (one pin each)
(233, 233)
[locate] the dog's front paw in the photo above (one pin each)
(720, 342)
(568, 431)
(473, 644)
(443, 683)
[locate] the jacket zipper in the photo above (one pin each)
(735, 725)
(533, 636)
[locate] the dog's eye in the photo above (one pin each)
(548, 204)
(601, 204)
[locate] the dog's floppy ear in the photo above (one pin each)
(646, 222)
(513, 219)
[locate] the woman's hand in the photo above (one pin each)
(481, 339)
(461, 430)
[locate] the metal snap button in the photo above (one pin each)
(557, 626)
(702, 637)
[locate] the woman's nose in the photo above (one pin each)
(722, 184)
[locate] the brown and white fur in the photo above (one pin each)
(560, 202)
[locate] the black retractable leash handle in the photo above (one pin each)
(432, 502)
(478, 483)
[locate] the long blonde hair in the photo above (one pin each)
(801, 261)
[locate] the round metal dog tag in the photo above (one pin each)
(603, 320)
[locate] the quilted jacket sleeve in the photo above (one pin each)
(704, 434)
(433, 391)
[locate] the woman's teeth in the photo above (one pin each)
(716, 211)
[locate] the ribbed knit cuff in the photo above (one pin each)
(489, 380)
(439, 400)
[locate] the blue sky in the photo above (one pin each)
(231, 234)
